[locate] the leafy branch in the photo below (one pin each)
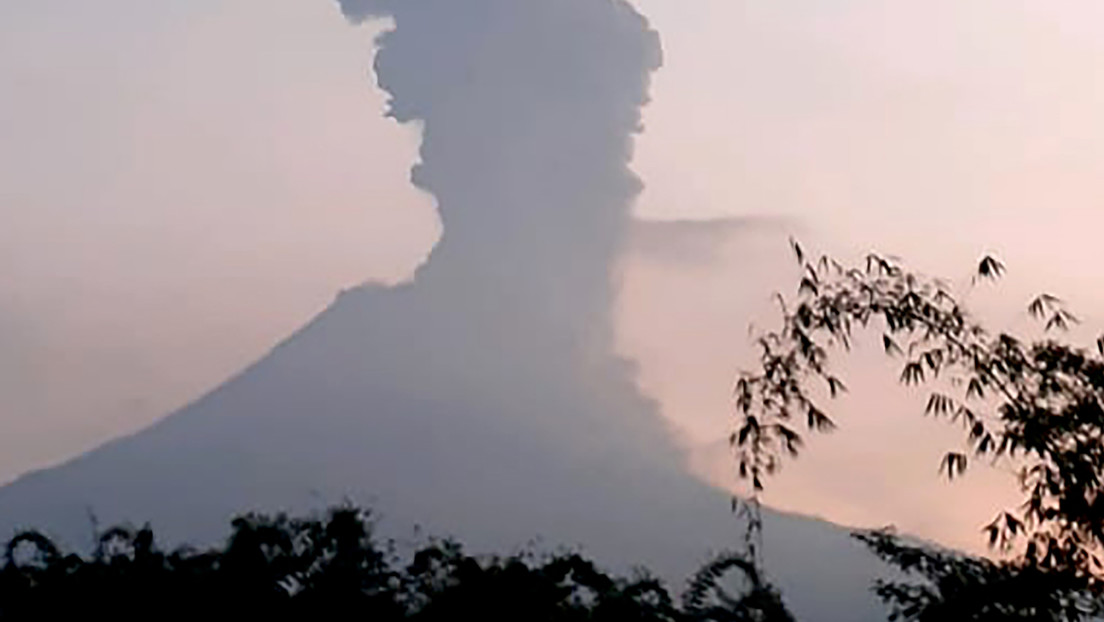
(1039, 403)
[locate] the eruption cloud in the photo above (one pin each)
(528, 111)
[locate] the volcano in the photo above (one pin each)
(483, 399)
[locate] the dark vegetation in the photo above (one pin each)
(1034, 404)
(277, 568)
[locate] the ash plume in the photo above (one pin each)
(528, 111)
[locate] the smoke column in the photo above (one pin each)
(528, 110)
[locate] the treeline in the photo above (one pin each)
(332, 566)
(326, 567)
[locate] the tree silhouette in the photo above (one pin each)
(706, 598)
(1039, 404)
(278, 567)
(948, 586)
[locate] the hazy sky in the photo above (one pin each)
(183, 183)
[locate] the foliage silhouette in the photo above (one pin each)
(284, 568)
(1039, 404)
(707, 599)
(949, 586)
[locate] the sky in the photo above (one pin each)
(183, 184)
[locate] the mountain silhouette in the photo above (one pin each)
(483, 399)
